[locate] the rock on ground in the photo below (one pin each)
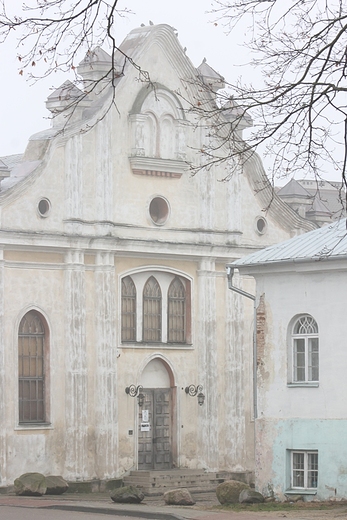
(127, 495)
(178, 497)
(228, 492)
(249, 496)
(30, 484)
(56, 485)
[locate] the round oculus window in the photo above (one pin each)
(159, 210)
(261, 225)
(44, 207)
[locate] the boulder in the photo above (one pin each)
(249, 496)
(228, 492)
(178, 497)
(30, 484)
(127, 495)
(56, 485)
(295, 498)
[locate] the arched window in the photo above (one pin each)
(176, 312)
(128, 309)
(151, 311)
(305, 350)
(31, 369)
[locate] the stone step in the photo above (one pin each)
(175, 479)
(176, 472)
(164, 481)
(157, 482)
(210, 484)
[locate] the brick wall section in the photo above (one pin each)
(261, 330)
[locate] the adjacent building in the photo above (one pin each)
(301, 423)
(318, 200)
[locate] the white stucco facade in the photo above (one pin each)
(301, 426)
(105, 196)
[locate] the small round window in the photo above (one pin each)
(159, 210)
(261, 225)
(44, 207)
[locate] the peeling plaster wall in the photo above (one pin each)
(325, 435)
(76, 398)
(106, 416)
(90, 368)
(298, 417)
(208, 362)
(236, 394)
(68, 266)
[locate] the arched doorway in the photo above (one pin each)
(156, 425)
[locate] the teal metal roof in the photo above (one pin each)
(326, 242)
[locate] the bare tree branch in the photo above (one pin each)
(299, 106)
(54, 35)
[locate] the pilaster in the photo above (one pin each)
(2, 376)
(234, 379)
(206, 200)
(208, 370)
(104, 174)
(106, 370)
(76, 367)
(74, 182)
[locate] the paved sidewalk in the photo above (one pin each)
(154, 508)
(151, 507)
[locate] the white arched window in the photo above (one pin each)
(162, 314)
(176, 312)
(152, 311)
(305, 345)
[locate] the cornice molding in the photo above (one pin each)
(156, 167)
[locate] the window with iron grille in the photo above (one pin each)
(176, 312)
(305, 350)
(304, 470)
(31, 369)
(128, 309)
(152, 311)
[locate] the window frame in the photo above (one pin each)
(165, 278)
(308, 467)
(176, 312)
(38, 420)
(309, 344)
(152, 313)
(128, 300)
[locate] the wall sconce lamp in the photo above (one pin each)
(193, 390)
(134, 391)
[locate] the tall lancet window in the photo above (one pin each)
(31, 369)
(152, 311)
(128, 309)
(176, 312)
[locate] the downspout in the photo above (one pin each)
(230, 273)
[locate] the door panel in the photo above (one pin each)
(145, 443)
(155, 444)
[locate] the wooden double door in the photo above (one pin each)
(155, 430)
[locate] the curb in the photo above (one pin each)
(118, 512)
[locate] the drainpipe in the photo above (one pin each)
(230, 273)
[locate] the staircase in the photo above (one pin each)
(196, 481)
